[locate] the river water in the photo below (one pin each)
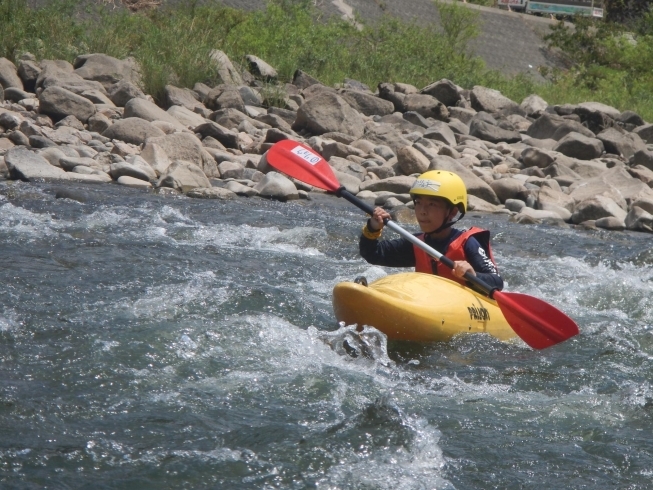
(154, 342)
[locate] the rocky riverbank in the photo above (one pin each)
(587, 164)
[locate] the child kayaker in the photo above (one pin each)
(440, 199)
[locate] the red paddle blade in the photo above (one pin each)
(302, 163)
(539, 324)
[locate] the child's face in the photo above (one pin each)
(431, 212)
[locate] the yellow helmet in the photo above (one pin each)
(444, 184)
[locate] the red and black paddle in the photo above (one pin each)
(538, 323)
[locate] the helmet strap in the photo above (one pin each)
(447, 224)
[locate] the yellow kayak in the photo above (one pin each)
(419, 307)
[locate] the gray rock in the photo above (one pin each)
(149, 111)
(277, 186)
(123, 91)
(186, 117)
(240, 189)
(183, 176)
(597, 207)
(58, 103)
(534, 105)
(225, 136)
(211, 193)
(571, 127)
(441, 131)
(426, 105)
(226, 70)
(514, 205)
(493, 134)
(348, 181)
(412, 161)
(444, 90)
(135, 166)
(536, 157)
(156, 157)
(99, 123)
(9, 75)
(492, 101)
(128, 181)
(643, 158)
(396, 185)
(366, 103)
(132, 130)
(639, 220)
(180, 97)
(508, 188)
(231, 170)
(621, 143)
(106, 69)
(26, 165)
(327, 112)
(576, 145)
(29, 72)
(645, 132)
(19, 138)
(260, 69)
(610, 223)
(186, 146)
(462, 114)
(69, 163)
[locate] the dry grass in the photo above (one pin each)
(135, 5)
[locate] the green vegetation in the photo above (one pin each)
(172, 44)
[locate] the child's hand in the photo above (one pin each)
(460, 267)
(376, 221)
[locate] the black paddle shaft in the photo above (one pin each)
(482, 285)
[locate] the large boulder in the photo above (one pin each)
(261, 69)
(440, 131)
(123, 91)
(227, 137)
(277, 186)
(9, 75)
(225, 68)
(427, 106)
(224, 97)
(60, 73)
(328, 112)
(645, 131)
(182, 97)
(135, 166)
(150, 112)
(106, 69)
(185, 116)
(494, 134)
(183, 176)
(616, 183)
(26, 165)
(366, 103)
(597, 207)
(639, 219)
(412, 161)
(508, 188)
(576, 145)
(132, 130)
(534, 105)
(58, 103)
(186, 147)
(492, 101)
(444, 90)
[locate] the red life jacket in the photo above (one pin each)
(456, 251)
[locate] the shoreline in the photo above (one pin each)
(586, 164)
